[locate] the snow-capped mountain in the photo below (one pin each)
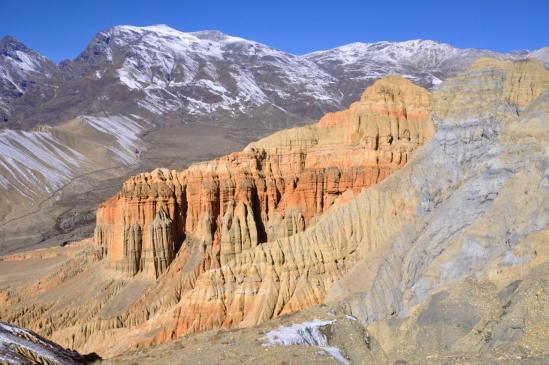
(161, 72)
(205, 72)
(425, 62)
(21, 69)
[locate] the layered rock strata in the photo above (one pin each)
(273, 189)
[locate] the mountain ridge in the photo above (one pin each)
(394, 55)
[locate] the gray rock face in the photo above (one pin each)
(19, 346)
(481, 185)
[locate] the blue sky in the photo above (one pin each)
(61, 29)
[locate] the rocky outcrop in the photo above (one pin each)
(19, 346)
(479, 187)
(273, 189)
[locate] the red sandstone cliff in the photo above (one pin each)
(224, 243)
(273, 189)
(224, 234)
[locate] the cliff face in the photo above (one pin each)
(273, 189)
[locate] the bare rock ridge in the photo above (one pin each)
(273, 189)
(19, 346)
(477, 197)
(367, 210)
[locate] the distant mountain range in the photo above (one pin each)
(161, 72)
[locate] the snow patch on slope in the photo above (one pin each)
(126, 131)
(38, 162)
(30, 158)
(306, 333)
(26, 63)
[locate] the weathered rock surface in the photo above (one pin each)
(273, 189)
(465, 215)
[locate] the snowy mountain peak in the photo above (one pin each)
(161, 30)
(541, 54)
(151, 44)
(152, 28)
(206, 71)
(356, 46)
(418, 43)
(385, 50)
(156, 28)
(21, 58)
(130, 33)
(20, 69)
(10, 43)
